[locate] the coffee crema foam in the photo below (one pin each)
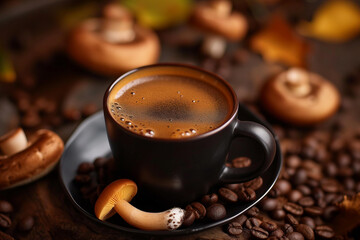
(169, 106)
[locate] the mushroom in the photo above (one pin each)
(215, 18)
(115, 198)
(23, 161)
(113, 44)
(300, 97)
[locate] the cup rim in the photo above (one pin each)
(186, 139)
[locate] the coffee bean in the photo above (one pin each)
(331, 169)
(294, 195)
(82, 179)
(305, 190)
(269, 204)
(227, 195)
(89, 109)
(300, 177)
(313, 211)
(254, 184)
(288, 228)
(235, 186)
(278, 233)
(330, 212)
(329, 185)
(234, 229)
(259, 233)
(284, 186)
(5, 221)
(274, 192)
(246, 234)
(343, 159)
(293, 161)
(31, 119)
(293, 208)
(199, 210)
(241, 219)
(246, 195)
(278, 214)
(349, 183)
(324, 231)
(269, 226)
(252, 212)
(306, 231)
(5, 207)
(308, 221)
(241, 162)
(5, 236)
(273, 238)
(295, 236)
(209, 199)
(291, 219)
(318, 193)
(26, 224)
(312, 183)
(252, 222)
(85, 168)
(337, 144)
(216, 212)
(71, 114)
(100, 162)
(306, 201)
(189, 218)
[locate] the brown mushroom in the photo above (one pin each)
(216, 19)
(23, 161)
(115, 198)
(113, 44)
(299, 97)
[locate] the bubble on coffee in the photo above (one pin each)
(170, 106)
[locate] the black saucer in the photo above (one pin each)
(90, 141)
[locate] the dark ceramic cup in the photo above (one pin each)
(177, 171)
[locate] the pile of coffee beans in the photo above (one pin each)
(25, 224)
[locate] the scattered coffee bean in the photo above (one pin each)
(299, 177)
(199, 210)
(294, 195)
(189, 218)
(306, 231)
(252, 222)
(246, 195)
(85, 168)
(293, 161)
(306, 201)
(72, 114)
(89, 109)
(216, 212)
(269, 226)
(288, 228)
(209, 199)
(241, 162)
(82, 179)
(5, 221)
(308, 221)
(241, 219)
(278, 214)
(284, 186)
(293, 208)
(234, 229)
(100, 162)
(5, 236)
(252, 212)
(269, 204)
(324, 232)
(291, 219)
(254, 184)
(227, 195)
(329, 185)
(277, 233)
(26, 223)
(313, 211)
(305, 190)
(259, 233)
(295, 236)
(5, 207)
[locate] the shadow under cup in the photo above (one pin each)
(176, 171)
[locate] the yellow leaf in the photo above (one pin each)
(334, 21)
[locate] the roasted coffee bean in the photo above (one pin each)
(274, 192)
(293, 208)
(293, 161)
(254, 184)
(273, 238)
(277, 233)
(209, 199)
(284, 186)
(349, 183)
(343, 159)
(330, 212)
(71, 114)
(318, 193)
(234, 229)
(299, 177)
(227, 195)
(216, 212)
(308, 221)
(291, 219)
(337, 144)
(288, 228)
(269, 204)
(85, 168)
(330, 185)
(26, 223)
(278, 214)
(199, 209)
(100, 162)
(294, 195)
(31, 119)
(331, 169)
(324, 232)
(295, 236)
(5, 236)
(241, 219)
(89, 109)
(5, 207)
(235, 186)
(5, 221)
(246, 234)
(345, 172)
(312, 183)
(252, 212)
(82, 179)
(313, 211)
(189, 218)
(306, 201)
(269, 226)
(259, 233)
(252, 222)
(241, 162)
(305, 190)
(306, 231)
(246, 195)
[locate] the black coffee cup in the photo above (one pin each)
(174, 172)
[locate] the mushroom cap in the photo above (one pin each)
(321, 102)
(12, 142)
(86, 46)
(37, 159)
(122, 189)
(233, 26)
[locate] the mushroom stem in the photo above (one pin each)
(298, 82)
(214, 46)
(168, 220)
(13, 142)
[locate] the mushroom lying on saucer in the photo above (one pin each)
(113, 44)
(300, 97)
(115, 198)
(24, 161)
(216, 19)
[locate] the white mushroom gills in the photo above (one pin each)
(13, 142)
(298, 82)
(167, 220)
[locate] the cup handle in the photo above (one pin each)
(264, 139)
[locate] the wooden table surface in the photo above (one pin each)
(55, 215)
